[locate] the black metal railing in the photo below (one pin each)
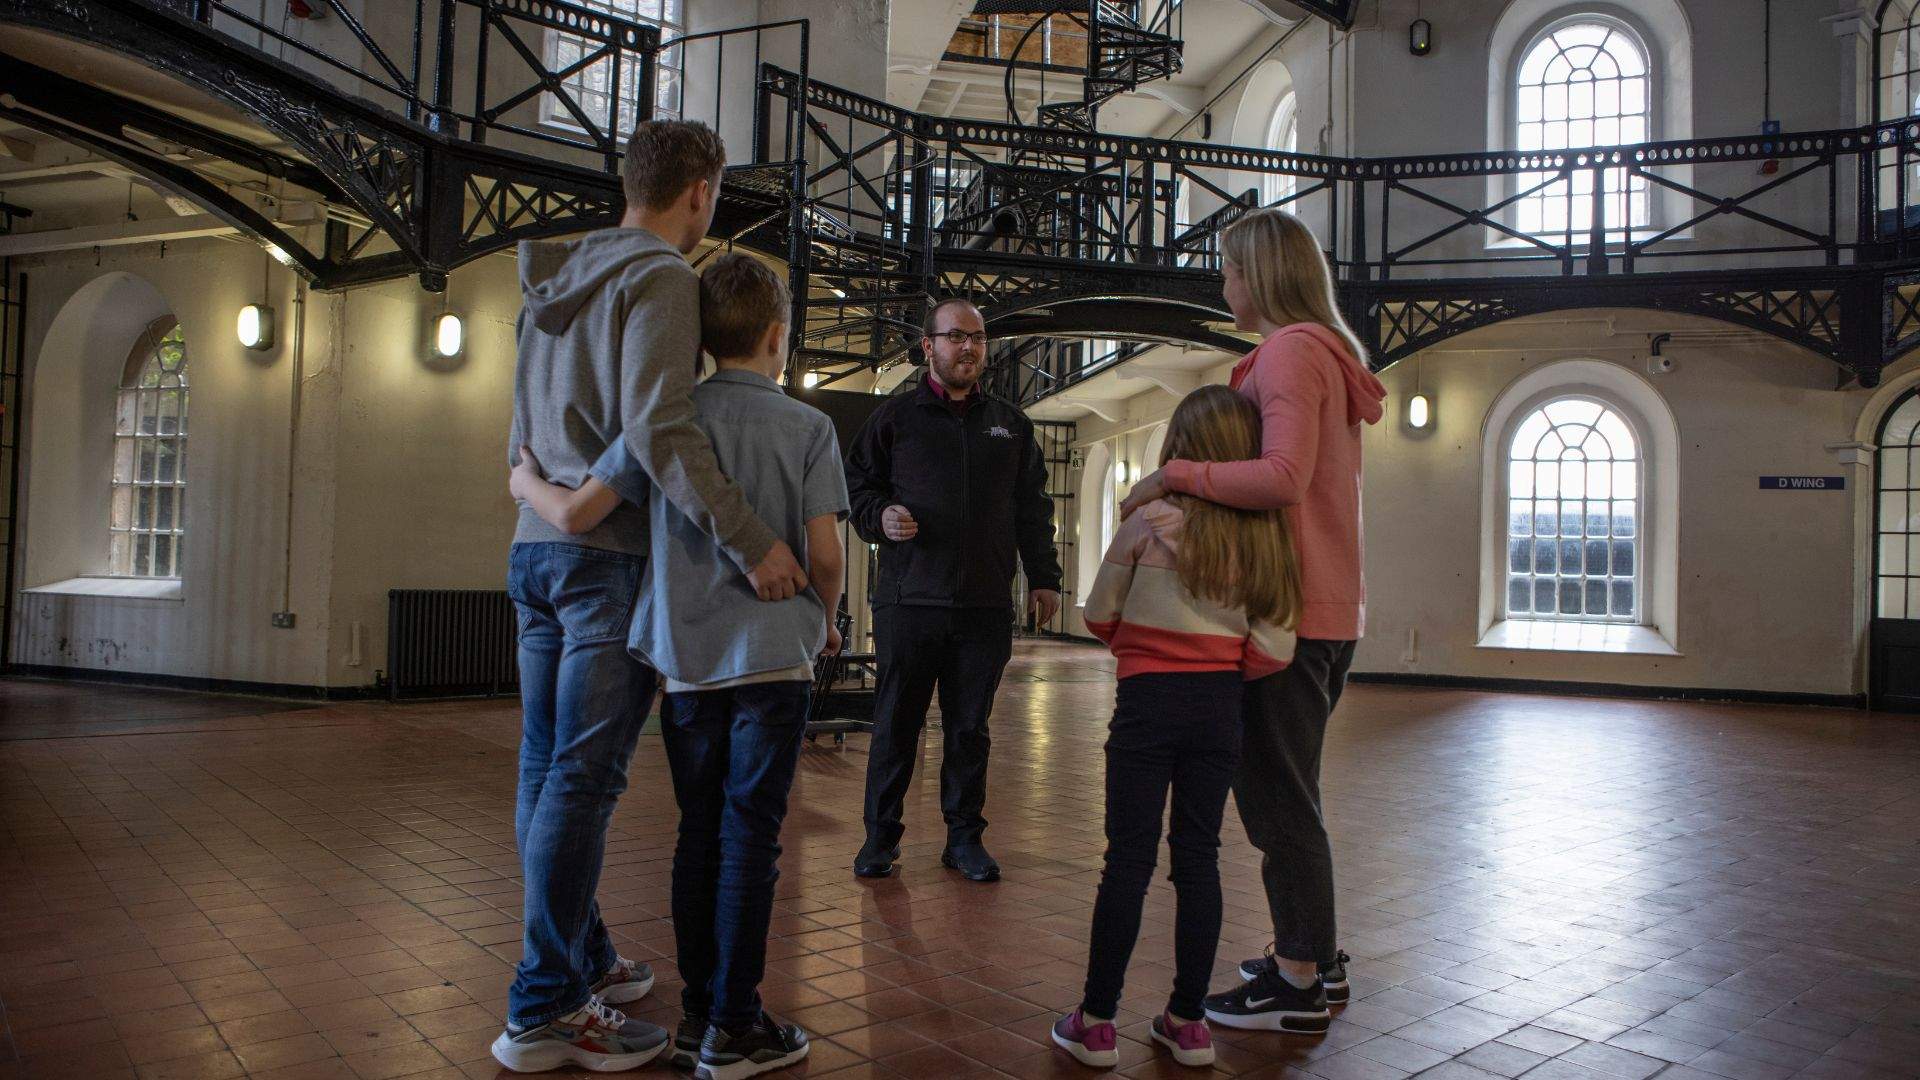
(1813, 198)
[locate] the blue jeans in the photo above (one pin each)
(733, 754)
(584, 700)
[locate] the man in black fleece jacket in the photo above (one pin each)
(951, 485)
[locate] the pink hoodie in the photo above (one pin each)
(1313, 397)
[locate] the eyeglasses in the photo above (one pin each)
(961, 337)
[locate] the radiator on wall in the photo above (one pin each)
(450, 642)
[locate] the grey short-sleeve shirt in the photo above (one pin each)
(698, 620)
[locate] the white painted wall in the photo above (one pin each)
(1768, 591)
(82, 320)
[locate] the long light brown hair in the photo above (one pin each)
(1240, 558)
(1286, 273)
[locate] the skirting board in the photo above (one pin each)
(285, 691)
(1619, 690)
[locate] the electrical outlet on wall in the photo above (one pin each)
(283, 620)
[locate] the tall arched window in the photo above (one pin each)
(1897, 61)
(1283, 134)
(150, 456)
(1585, 82)
(1896, 593)
(1573, 518)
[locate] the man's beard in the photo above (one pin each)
(949, 378)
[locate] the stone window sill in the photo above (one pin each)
(1542, 636)
(119, 588)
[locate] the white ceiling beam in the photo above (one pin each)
(1176, 381)
(1185, 100)
(1110, 411)
(115, 235)
(16, 177)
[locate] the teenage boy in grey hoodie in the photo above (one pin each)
(609, 342)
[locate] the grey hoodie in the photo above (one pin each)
(609, 348)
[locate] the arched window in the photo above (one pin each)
(150, 456)
(1283, 134)
(1897, 513)
(1573, 515)
(589, 80)
(1897, 62)
(1094, 526)
(1584, 82)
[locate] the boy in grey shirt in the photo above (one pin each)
(738, 670)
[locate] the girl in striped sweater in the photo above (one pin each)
(1192, 597)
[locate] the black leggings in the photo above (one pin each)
(1178, 731)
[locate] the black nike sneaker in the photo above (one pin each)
(1271, 1003)
(685, 1051)
(764, 1047)
(1332, 976)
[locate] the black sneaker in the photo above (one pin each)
(1271, 1003)
(874, 861)
(1332, 976)
(685, 1051)
(972, 861)
(764, 1047)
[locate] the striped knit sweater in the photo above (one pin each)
(1152, 623)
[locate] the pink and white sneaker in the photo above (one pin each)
(627, 980)
(1190, 1040)
(1090, 1044)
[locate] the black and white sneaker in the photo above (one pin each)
(1271, 1003)
(685, 1051)
(1332, 976)
(764, 1047)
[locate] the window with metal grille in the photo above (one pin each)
(589, 78)
(1586, 82)
(1573, 515)
(1897, 61)
(150, 456)
(1897, 515)
(1283, 134)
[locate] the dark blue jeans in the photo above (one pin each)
(584, 700)
(733, 754)
(1178, 731)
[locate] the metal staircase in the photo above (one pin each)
(1122, 53)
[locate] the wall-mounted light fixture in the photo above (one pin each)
(1419, 406)
(1419, 412)
(1419, 34)
(255, 327)
(810, 380)
(449, 336)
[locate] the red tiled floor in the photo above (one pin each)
(1562, 889)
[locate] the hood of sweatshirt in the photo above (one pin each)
(1365, 393)
(558, 278)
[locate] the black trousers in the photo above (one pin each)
(1278, 791)
(961, 652)
(1178, 734)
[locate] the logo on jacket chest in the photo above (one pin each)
(998, 432)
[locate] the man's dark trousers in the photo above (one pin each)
(961, 651)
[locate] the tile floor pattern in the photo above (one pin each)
(1561, 889)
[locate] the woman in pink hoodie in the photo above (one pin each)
(1313, 393)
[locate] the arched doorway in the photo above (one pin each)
(1894, 663)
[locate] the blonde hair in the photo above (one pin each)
(1241, 558)
(1286, 273)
